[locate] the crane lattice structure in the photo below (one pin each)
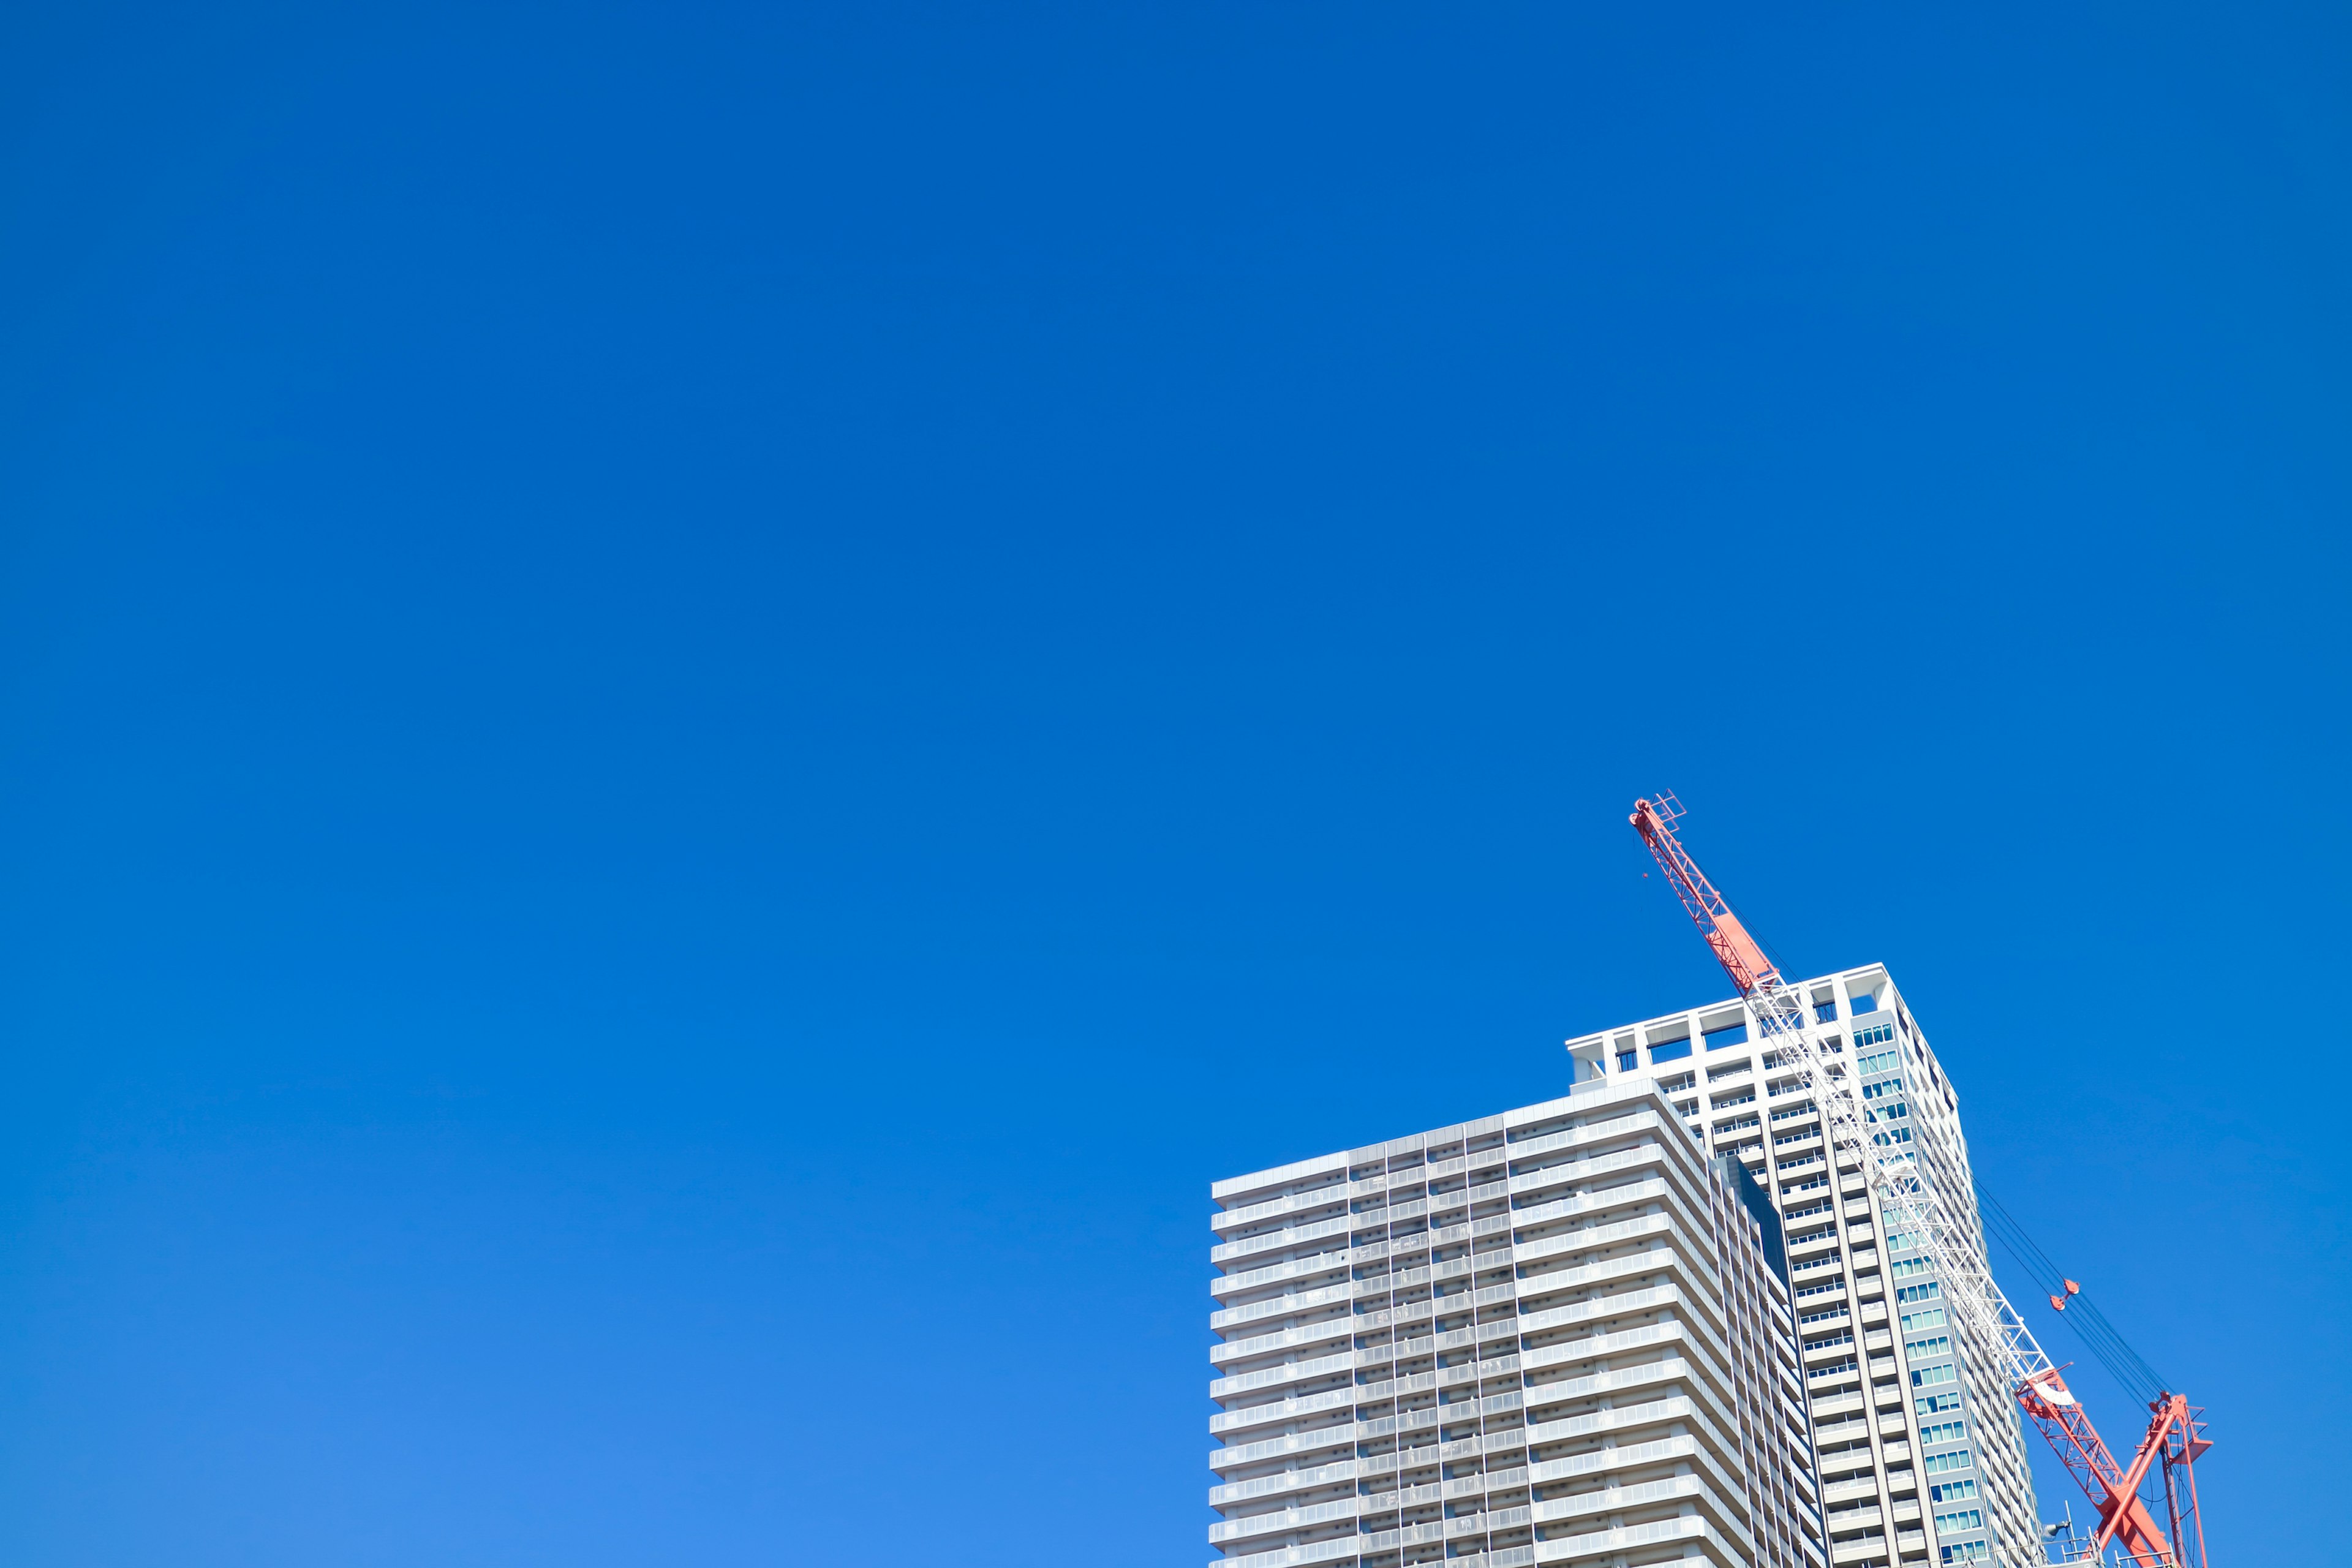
(1907, 1195)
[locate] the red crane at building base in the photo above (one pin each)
(1990, 1324)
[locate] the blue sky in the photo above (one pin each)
(702, 705)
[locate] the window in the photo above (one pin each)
(1968, 1552)
(1825, 1012)
(1922, 1350)
(1936, 1404)
(1953, 1491)
(1937, 1464)
(1929, 1376)
(1889, 1086)
(1932, 1317)
(1729, 1035)
(1920, 1292)
(1673, 1052)
(1961, 1518)
(1876, 1034)
(1626, 1062)
(1943, 1431)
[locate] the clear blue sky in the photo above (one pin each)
(702, 704)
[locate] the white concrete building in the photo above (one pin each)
(1920, 1451)
(1558, 1335)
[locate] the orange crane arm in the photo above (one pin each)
(2034, 1380)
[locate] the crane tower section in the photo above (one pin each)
(1878, 1116)
(1859, 1139)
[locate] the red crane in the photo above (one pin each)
(1989, 1324)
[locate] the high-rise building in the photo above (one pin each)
(1558, 1335)
(1921, 1456)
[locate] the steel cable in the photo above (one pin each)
(2104, 1341)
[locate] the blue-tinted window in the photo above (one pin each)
(1626, 1062)
(1825, 1012)
(1672, 1052)
(1729, 1035)
(1865, 1004)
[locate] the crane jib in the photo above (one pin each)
(1986, 1321)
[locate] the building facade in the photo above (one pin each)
(1921, 1452)
(1558, 1335)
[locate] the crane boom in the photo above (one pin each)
(1907, 1195)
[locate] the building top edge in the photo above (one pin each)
(1596, 1094)
(1719, 1003)
(1296, 1170)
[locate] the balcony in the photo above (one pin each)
(1611, 1500)
(1234, 1317)
(1234, 1284)
(1274, 1208)
(1488, 1523)
(1283, 1520)
(1287, 1480)
(1342, 1550)
(1561, 1208)
(1290, 1371)
(1687, 1528)
(1282, 1411)
(1374, 1392)
(1264, 1344)
(1500, 1481)
(1275, 1240)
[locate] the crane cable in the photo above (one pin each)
(2125, 1364)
